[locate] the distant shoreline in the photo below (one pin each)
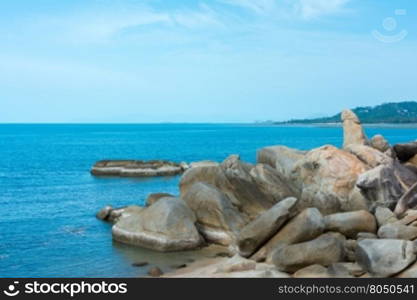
(339, 124)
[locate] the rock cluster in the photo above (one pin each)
(326, 212)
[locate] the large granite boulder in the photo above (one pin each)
(272, 183)
(353, 133)
(167, 225)
(324, 250)
(379, 142)
(281, 158)
(136, 168)
(306, 226)
(351, 223)
(233, 178)
(326, 178)
(217, 219)
(397, 231)
(385, 184)
(386, 257)
(253, 235)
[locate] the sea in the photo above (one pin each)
(48, 198)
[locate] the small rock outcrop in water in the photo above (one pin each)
(327, 212)
(137, 168)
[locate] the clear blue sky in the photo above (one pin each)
(202, 60)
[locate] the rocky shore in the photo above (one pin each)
(327, 212)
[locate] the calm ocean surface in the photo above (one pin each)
(48, 199)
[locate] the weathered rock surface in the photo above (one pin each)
(345, 270)
(282, 158)
(257, 232)
(112, 215)
(407, 201)
(306, 226)
(353, 133)
(203, 163)
(379, 142)
(232, 178)
(136, 168)
(235, 267)
(104, 213)
(217, 219)
(152, 198)
(351, 223)
(410, 272)
(397, 231)
(386, 257)
(167, 225)
(384, 216)
(313, 271)
(385, 184)
(324, 250)
(405, 152)
(368, 155)
(270, 182)
(326, 177)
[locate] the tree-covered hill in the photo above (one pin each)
(397, 113)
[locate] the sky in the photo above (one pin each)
(131, 61)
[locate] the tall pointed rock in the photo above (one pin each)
(353, 133)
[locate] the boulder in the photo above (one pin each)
(386, 257)
(306, 226)
(351, 223)
(366, 235)
(112, 215)
(385, 184)
(379, 142)
(368, 155)
(408, 200)
(353, 133)
(397, 231)
(104, 213)
(152, 198)
(217, 219)
(408, 218)
(324, 250)
(253, 235)
(281, 158)
(326, 177)
(410, 272)
(345, 270)
(349, 250)
(136, 168)
(270, 182)
(167, 225)
(236, 264)
(384, 216)
(313, 271)
(203, 163)
(405, 152)
(232, 178)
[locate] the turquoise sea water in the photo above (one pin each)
(48, 199)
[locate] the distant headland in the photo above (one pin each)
(388, 113)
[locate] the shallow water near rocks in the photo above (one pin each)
(48, 198)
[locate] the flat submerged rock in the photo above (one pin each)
(137, 168)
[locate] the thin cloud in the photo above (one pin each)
(311, 9)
